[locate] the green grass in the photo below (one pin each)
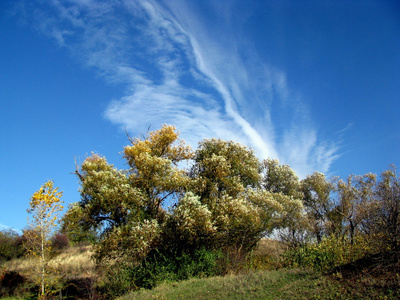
(279, 284)
(371, 278)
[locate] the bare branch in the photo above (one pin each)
(77, 170)
(129, 137)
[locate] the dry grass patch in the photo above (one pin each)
(72, 262)
(70, 272)
(267, 255)
(270, 247)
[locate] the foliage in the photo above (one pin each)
(280, 179)
(10, 245)
(331, 252)
(154, 168)
(157, 267)
(226, 176)
(13, 284)
(59, 241)
(108, 199)
(223, 168)
(386, 209)
(219, 204)
(369, 207)
(130, 243)
(189, 226)
(244, 220)
(226, 201)
(354, 196)
(125, 207)
(115, 200)
(267, 255)
(317, 202)
(74, 225)
(45, 206)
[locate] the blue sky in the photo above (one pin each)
(315, 84)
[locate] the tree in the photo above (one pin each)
(386, 212)
(108, 198)
(154, 167)
(218, 204)
(75, 225)
(280, 179)
(223, 168)
(190, 226)
(277, 178)
(226, 177)
(354, 196)
(44, 206)
(317, 202)
(115, 201)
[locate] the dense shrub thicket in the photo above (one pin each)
(159, 220)
(157, 210)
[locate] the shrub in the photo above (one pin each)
(59, 241)
(10, 245)
(156, 268)
(13, 284)
(267, 255)
(159, 267)
(115, 280)
(330, 253)
(203, 263)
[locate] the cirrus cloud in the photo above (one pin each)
(182, 67)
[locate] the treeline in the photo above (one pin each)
(176, 213)
(174, 202)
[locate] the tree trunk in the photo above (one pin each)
(43, 262)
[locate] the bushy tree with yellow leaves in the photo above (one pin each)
(383, 216)
(219, 203)
(45, 206)
(281, 179)
(108, 198)
(355, 196)
(116, 201)
(154, 167)
(317, 201)
(223, 168)
(227, 178)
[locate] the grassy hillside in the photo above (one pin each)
(273, 284)
(74, 277)
(70, 272)
(363, 279)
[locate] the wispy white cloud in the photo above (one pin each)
(5, 227)
(202, 76)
